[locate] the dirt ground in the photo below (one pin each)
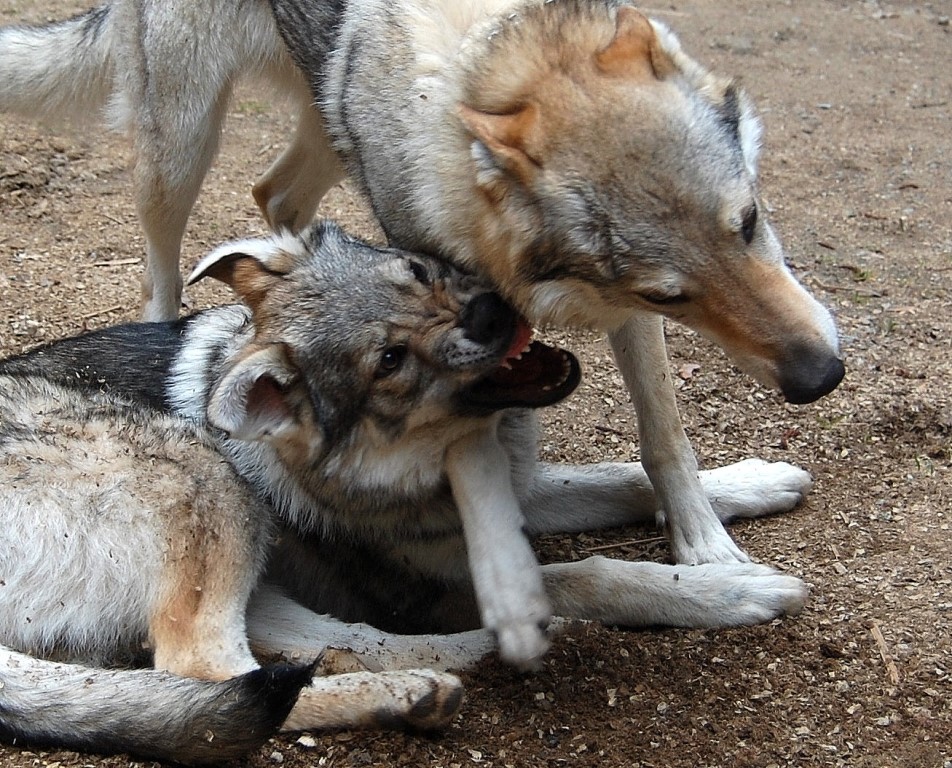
(857, 172)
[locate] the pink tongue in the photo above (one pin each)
(520, 339)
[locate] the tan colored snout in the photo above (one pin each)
(772, 328)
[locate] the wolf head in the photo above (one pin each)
(627, 178)
(353, 344)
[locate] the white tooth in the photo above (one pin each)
(505, 364)
(519, 356)
(546, 388)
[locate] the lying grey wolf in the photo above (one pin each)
(567, 149)
(149, 470)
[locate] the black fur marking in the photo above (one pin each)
(310, 31)
(131, 361)
(729, 112)
(94, 20)
(370, 584)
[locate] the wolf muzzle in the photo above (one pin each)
(487, 319)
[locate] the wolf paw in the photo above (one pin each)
(519, 620)
(420, 698)
(735, 594)
(428, 701)
(522, 644)
(717, 546)
(754, 488)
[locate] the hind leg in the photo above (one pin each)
(280, 626)
(372, 677)
(564, 498)
(289, 192)
(639, 594)
(215, 546)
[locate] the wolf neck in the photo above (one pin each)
(205, 347)
(408, 128)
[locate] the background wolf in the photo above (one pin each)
(452, 118)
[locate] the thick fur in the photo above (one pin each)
(150, 713)
(344, 410)
(567, 149)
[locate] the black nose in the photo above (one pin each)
(809, 378)
(487, 318)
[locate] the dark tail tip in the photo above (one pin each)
(275, 688)
(155, 715)
(243, 715)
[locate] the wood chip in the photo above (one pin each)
(891, 667)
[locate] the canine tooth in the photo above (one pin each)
(546, 388)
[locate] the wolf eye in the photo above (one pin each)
(391, 359)
(419, 272)
(748, 224)
(662, 300)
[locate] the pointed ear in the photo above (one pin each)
(252, 267)
(507, 139)
(635, 51)
(255, 399)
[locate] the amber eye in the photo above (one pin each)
(391, 360)
(748, 224)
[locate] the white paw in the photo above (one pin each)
(736, 594)
(521, 634)
(754, 488)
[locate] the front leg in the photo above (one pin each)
(694, 532)
(281, 627)
(563, 498)
(506, 575)
(641, 594)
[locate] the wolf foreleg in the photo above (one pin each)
(694, 532)
(651, 594)
(571, 499)
(505, 572)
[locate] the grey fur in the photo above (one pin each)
(291, 413)
(459, 121)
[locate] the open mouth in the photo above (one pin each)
(531, 375)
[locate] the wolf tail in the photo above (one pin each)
(147, 713)
(59, 70)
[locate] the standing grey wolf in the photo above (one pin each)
(148, 471)
(569, 150)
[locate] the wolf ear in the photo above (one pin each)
(255, 400)
(635, 51)
(252, 267)
(506, 138)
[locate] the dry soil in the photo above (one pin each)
(857, 173)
